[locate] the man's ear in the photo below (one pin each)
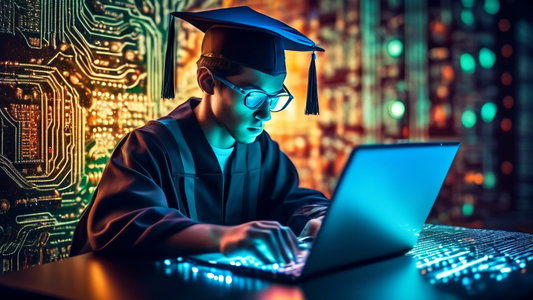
(205, 81)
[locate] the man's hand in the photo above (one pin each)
(312, 227)
(267, 241)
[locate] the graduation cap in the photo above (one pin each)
(244, 36)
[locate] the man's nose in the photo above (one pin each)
(263, 112)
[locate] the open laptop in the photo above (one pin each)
(377, 210)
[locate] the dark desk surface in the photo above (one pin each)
(447, 263)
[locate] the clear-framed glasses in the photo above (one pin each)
(254, 98)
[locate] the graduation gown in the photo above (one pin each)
(164, 177)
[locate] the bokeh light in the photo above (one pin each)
(467, 17)
(468, 209)
(468, 64)
(507, 78)
(492, 6)
(507, 50)
(490, 180)
(506, 124)
(488, 111)
(395, 48)
(507, 167)
(448, 73)
(487, 58)
(397, 109)
(504, 25)
(508, 102)
(468, 3)
(469, 118)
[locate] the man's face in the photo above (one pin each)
(242, 123)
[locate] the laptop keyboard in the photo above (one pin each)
(455, 254)
(293, 268)
(443, 254)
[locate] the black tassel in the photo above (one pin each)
(311, 107)
(167, 91)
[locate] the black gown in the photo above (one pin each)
(158, 182)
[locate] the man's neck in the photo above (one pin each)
(214, 132)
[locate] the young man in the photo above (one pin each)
(206, 177)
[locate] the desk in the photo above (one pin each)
(475, 264)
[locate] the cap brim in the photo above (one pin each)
(247, 18)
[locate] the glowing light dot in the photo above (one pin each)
(504, 25)
(492, 6)
(228, 279)
(395, 48)
(167, 262)
(397, 109)
(488, 111)
(195, 270)
(506, 124)
(490, 180)
(506, 78)
(486, 58)
(508, 102)
(468, 64)
(469, 118)
(467, 17)
(505, 270)
(465, 281)
(210, 275)
(467, 3)
(468, 209)
(447, 72)
(275, 266)
(507, 50)
(478, 178)
(507, 167)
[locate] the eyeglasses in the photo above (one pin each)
(254, 98)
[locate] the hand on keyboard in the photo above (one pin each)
(267, 241)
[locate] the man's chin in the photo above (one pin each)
(246, 141)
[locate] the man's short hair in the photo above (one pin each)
(219, 66)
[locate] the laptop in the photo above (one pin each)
(380, 203)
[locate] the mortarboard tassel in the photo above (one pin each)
(311, 107)
(167, 91)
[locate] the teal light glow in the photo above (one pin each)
(397, 109)
(400, 86)
(487, 58)
(445, 274)
(467, 17)
(469, 118)
(468, 209)
(468, 64)
(395, 48)
(468, 3)
(489, 180)
(488, 111)
(492, 6)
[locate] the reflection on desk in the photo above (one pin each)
(471, 259)
(446, 263)
(464, 255)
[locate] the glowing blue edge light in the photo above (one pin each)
(462, 267)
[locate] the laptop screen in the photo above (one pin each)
(381, 202)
